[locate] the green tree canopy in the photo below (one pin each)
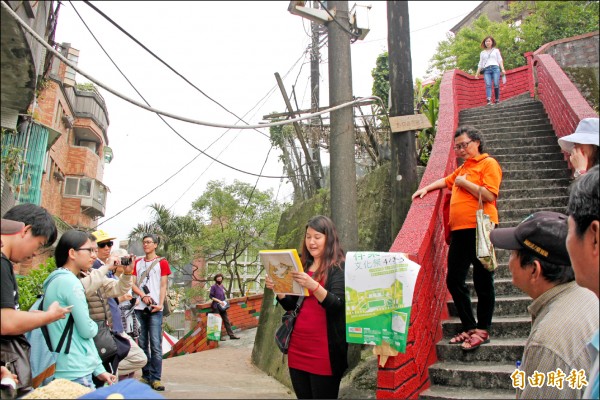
(547, 21)
(237, 220)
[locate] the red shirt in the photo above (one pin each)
(309, 350)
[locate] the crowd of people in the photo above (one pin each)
(87, 308)
(554, 259)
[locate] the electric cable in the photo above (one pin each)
(361, 100)
(164, 62)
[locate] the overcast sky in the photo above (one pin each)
(230, 51)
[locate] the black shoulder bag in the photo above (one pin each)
(284, 332)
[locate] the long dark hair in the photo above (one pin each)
(334, 254)
(72, 239)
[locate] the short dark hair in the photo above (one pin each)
(72, 239)
(152, 236)
(472, 133)
(218, 276)
(583, 200)
(486, 38)
(553, 273)
(41, 221)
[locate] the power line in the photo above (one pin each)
(164, 62)
(361, 100)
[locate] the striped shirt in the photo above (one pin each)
(564, 319)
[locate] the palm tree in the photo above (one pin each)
(174, 232)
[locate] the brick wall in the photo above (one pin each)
(470, 92)
(422, 238)
(244, 313)
(562, 101)
(576, 51)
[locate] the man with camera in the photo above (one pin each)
(101, 288)
(150, 283)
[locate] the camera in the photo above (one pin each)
(125, 261)
(148, 309)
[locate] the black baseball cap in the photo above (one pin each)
(543, 233)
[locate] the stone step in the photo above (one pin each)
(537, 124)
(515, 116)
(503, 158)
(494, 144)
(502, 287)
(502, 271)
(520, 214)
(503, 148)
(536, 174)
(472, 375)
(536, 165)
(506, 194)
(505, 110)
(532, 202)
(519, 134)
(549, 183)
(502, 327)
(506, 306)
(451, 392)
(498, 350)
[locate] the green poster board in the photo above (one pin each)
(213, 326)
(379, 292)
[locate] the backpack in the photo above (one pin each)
(42, 357)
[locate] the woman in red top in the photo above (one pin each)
(317, 355)
(479, 175)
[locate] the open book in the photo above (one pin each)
(279, 265)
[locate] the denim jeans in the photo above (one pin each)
(150, 340)
(85, 381)
(492, 73)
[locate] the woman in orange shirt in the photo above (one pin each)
(480, 173)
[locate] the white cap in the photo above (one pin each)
(586, 133)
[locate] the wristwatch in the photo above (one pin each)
(578, 173)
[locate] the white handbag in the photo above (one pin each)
(484, 247)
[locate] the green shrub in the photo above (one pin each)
(30, 286)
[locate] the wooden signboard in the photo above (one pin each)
(409, 123)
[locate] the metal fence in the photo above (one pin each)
(177, 322)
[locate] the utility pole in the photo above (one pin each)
(315, 126)
(341, 138)
(404, 159)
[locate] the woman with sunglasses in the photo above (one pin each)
(480, 174)
(75, 253)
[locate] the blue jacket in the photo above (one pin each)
(83, 358)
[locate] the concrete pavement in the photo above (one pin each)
(222, 373)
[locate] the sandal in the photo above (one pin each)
(478, 337)
(461, 338)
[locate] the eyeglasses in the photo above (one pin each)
(147, 242)
(103, 245)
(463, 145)
(92, 250)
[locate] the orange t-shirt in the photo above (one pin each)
(483, 171)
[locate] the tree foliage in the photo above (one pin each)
(175, 234)
(544, 21)
(236, 220)
(381, 77)
(31, 286)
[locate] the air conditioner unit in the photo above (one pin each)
(59, 176)
(89, 144)
(68, 120)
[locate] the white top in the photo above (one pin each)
(487, 58)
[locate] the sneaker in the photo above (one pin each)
(497, 101)
(156, 385)
(489, 102)
(233, 337)
(145, 381)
